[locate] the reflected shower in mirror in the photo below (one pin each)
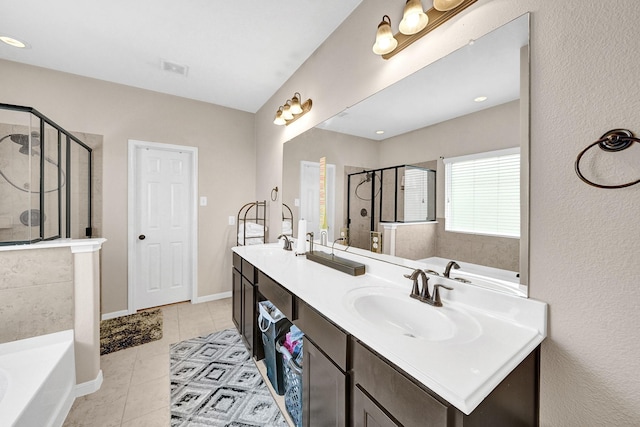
(473, 101)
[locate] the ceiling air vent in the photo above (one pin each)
(173, 67)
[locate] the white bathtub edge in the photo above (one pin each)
(89, 387)
(62, 414)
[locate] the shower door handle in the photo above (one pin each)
(142, 237)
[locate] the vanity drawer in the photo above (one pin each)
(237, 261)
(327, 336)
(400, 397)
(275, 293)
(248, 271)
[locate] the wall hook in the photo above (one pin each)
(612, 141)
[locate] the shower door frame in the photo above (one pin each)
(69, 137)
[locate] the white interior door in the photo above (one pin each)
(310, 198)
(162, 233)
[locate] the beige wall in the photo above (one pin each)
(339, 149)
(224, 137)
(583, 245)
(36, 293)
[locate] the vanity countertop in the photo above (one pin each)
(499, 330)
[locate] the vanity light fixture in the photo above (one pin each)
(415, 24)
(292, 110)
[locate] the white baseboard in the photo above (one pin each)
(115, 314)
(212, 297)
(196, 300)
(89, 387)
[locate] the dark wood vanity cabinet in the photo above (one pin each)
(325, 391)
(345, 383)
(384, 396)
(245, 305)
(278, 295)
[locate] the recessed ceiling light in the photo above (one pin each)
(480, 99)
(379, 132)
(11, 41)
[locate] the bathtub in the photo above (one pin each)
(486, 277)
(37, 380)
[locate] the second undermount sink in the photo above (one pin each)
(392, 311)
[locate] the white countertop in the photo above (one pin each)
(463, 372)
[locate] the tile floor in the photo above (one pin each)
(135, 390)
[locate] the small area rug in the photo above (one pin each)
(214, 382)
(130, 331)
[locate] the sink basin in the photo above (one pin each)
(393, 312)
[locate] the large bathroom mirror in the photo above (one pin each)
(470, 106)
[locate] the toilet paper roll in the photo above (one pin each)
(301, 243)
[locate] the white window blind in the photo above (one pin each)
(418, 200)
(483, 193)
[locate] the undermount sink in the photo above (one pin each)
(393, 312)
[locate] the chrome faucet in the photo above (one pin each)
(287, 242)
(310, 239)
(447, 269)
(334, 243)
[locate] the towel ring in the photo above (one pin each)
(612, 141)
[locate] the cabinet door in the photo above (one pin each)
(367, 414)
(248, 313)
(324, 391)
(236, 299)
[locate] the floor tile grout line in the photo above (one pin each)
(126, 399)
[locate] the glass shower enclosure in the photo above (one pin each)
(45, 179)
(396, 194)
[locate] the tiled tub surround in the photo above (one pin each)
(463, 373)
(428, 239)
(36, 292)
(50, 287)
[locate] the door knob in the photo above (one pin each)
(142, 237)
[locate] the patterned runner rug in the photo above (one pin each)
(214, 382)
(130, 331)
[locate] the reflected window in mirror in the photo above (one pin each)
(483, 193)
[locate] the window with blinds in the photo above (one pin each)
(483, 193)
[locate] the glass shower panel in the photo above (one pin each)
(45, 179)
(31, 217)
(79, 180)
(52, 182)
(388, 195)
(15, 175)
